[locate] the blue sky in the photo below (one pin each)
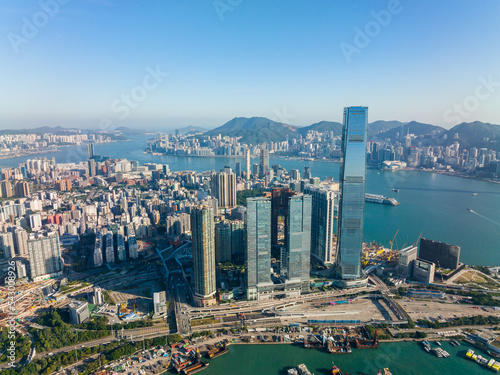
(75, 63)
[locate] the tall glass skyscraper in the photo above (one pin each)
(299, 242)
(258, 247)
(352, 193)
(203, 236)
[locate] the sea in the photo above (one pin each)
(402, 358)
(432, 205)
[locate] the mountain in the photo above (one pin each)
(255, 130)
(322, 126)
(475, 134)
(412, 127)
(382, 126)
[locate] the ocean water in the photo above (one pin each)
(432, 205)
(404, 358)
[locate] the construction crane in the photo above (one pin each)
(392, 242)
(418, 239)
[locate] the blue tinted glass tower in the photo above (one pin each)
(352, 193)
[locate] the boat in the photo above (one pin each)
(470, 210)
(380, 199)
(336, 370)
(395, 190)
(303, 369)
(474, 194)
(387, 372)
(438, 343)
(292, 371)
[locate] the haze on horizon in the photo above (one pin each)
(162, 65)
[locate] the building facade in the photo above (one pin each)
(45, 257)
(258, 248)
(322, 222)
(203, 237)
(352, 194)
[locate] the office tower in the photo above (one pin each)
(442, 254)
(44, 257)
(279, 218)
(6, 189)
(423, 271)
(295, 174)
(298, 243)
(120, 245)
(247, 160)
(264, 162)
(109, 248)
(255, 170)
(223, 242)
(307, 173)
(352, 194)
(78, 312)
(203, 233)
(322, 222)
(406, 260)
(97, 255)
(160, 303)
(22, 189)
(90, 150)
(258, 248)
(238, 243)
(7, 245)
(237, 169)
(92, 168)
(223, 187)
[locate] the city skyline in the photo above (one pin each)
(212, 59)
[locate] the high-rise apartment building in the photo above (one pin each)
(352, 195)
(322, 222)
(223, 187)
(44, 257)
(7, 245)
(223, 242)
(22, 189)
(109, 248)
(258, 248)
(247, 161)
(6, 189)
(203, 237)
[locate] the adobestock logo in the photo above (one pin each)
(31, 26)
(137, 95)
(461, 111)
(363, 37)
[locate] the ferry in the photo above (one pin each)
(380, 199)
(491, 364)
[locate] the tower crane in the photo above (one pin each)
(392, 242)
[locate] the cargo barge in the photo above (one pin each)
(380, 199)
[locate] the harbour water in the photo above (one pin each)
(404, 358)
(433, 204)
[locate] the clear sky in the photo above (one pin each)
(163, 64)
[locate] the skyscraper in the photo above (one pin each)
(7, 245)
(223, 241)
(44, 257)
(258, 248)
(352, 194)
(322, 221)
(279, 218)
(264, 161)
(298, 243)
(203, 237)
(223, 187)
(109, 248)
(247, 160)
